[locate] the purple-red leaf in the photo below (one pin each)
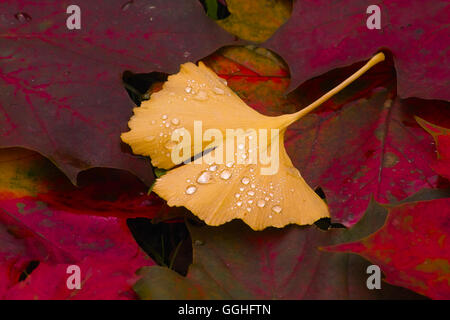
(442, 140)
(101, 279)
(32, 230)
(62, 93)
(323, 35)
(362, 142)
(412, 248)
(234, 262)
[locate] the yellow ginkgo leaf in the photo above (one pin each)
(241, 169)
(218, 193)
(193, 94)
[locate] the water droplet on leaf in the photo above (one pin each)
(127, 5)
(202, 96)
(205, 177)
(22, 17)
(170, 145)
(218, 90)
(276, 209)
(261, 203)
(225, 175)
(191, 189)
(224, 81)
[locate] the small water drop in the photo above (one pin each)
(241, 188)
(225, 175)
(191, 189)
(201, 95)
(184, 99)
(164, 116)
(229, 164)
(249, 209)
(245, 180)
(241, 146)
(188, 89)
(175, 121)
(170, 145)
(213, 168)
(251, 193)
(250, 201)
(22, 17)
(198, 242)
(276, 209)
(261, 203)
(237, 195)
(167, 125)
(224, 81)
(153, 122)
(149, 138)
(218, 90)
(127, 5)
(253, 185)
(186, 54)
(205, 177)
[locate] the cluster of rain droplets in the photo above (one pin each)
(196, 91)
(199, 91)
(22, 17)
(167, 127)
(250, 196)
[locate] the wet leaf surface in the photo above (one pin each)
(321, 36)
(62, 92)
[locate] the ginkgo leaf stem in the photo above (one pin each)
(375, 59)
